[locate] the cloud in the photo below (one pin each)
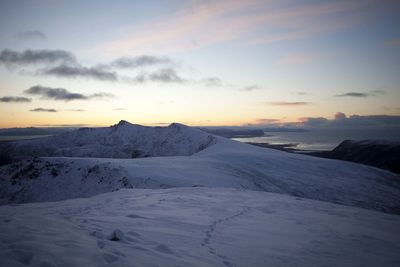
(43, 110)
(313, 122)
(362, 95)
(285, 103)
(75, 110)
(61, 94)
(31, 35)
(341, 120)
(165, 75)
(63, 64)
(353, 94)
(30, 57)
(393, 42)
(211, 81)
(119, 109)
(198, 24)
(75, 71)
(139, 61)
(301, 93)
(14, 99)
(377, 92)
(340, 116)
(250, 88)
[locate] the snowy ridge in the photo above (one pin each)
(122, 140)
(226, 163)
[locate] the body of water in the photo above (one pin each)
(324, 139)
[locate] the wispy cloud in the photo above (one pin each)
(12, 58)
(166, 75)
(78, 71)
(15, 99)
(75, 110)
(31, 36)
(377, 92)
(363, 94)
(119, 109)
(63, 64)
(301, 93)
(353, 94)
(139, 62)
(204, 23)
(51, 110)
(61, 94)
(289, 104)
(250, 88)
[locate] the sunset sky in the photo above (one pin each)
(196, 62)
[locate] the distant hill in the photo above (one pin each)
(122, 140)
(379, 153)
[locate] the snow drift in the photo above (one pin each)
(196, 227)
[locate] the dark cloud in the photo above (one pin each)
(251, 88)
(63, 64)
(14, 99)
(139, 61)
(165, 75)
(353, 94)
(54, 93)
(31, 35)
(285, 103)
(61, 94)
(340, 116)
(43, 110)
(314, 122)
(341, 120)
(30, 57)
(78, 71)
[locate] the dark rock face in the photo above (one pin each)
(381, 154)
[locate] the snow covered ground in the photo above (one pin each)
(196, 227)
(224, 163)
(189, 198)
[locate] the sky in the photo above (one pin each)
(201, 63)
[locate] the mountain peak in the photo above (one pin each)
(122, 122)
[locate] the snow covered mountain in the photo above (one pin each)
(213, 162)
(194, 199)
(123, 140)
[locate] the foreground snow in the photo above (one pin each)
(196, 227)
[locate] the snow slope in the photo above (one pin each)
(122, 140)
(223, 163)
(196, 227)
